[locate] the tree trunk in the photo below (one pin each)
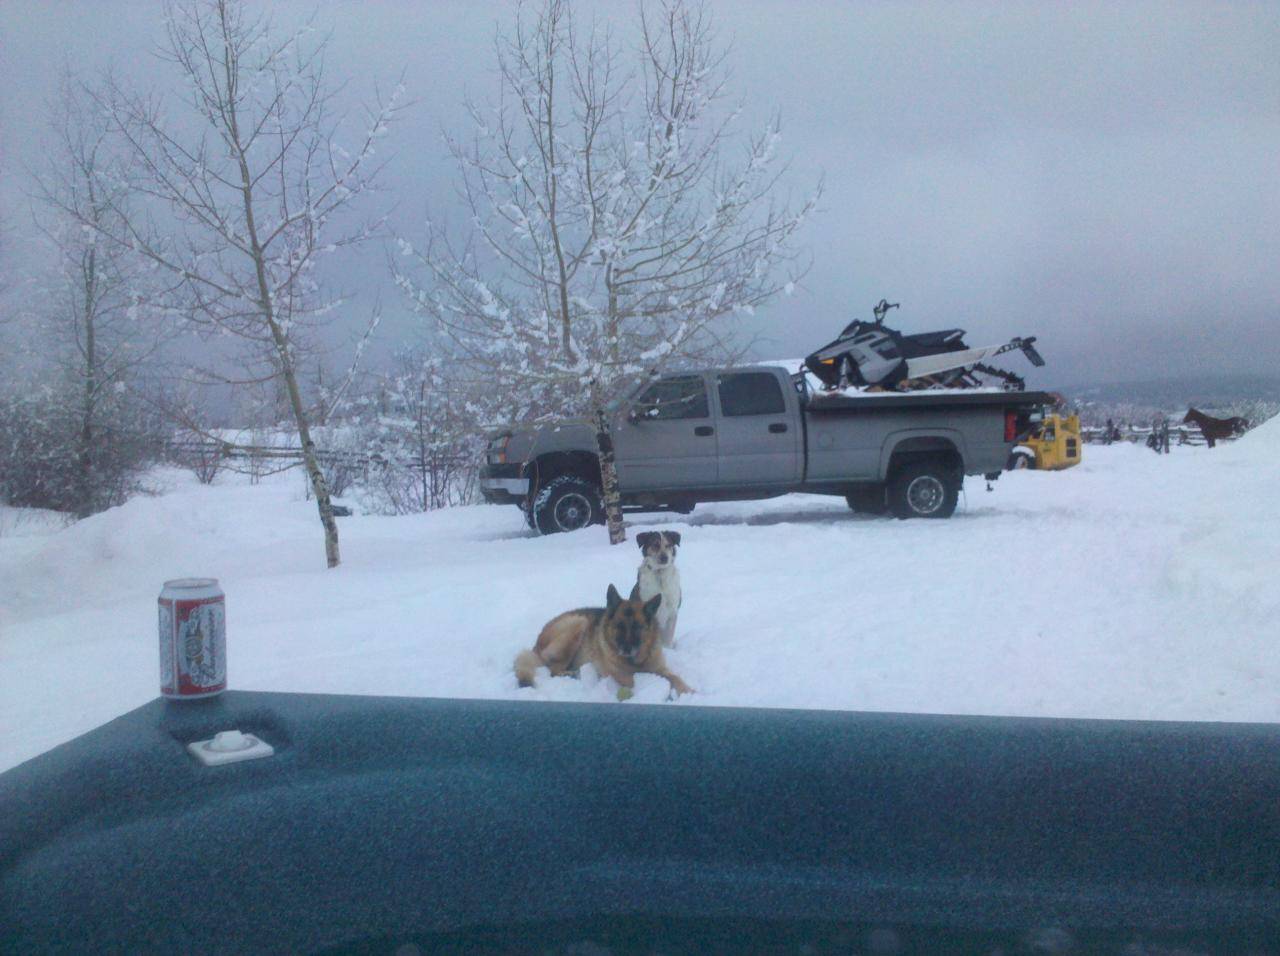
(612, 331)
(84, 506)
(604, 440)
(319, 486)
(609, 478)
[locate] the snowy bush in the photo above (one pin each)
(202, 458)
(425, 436)
(342, 454)
(420, 481)
(46, 462)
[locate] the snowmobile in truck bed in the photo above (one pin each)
(870, 354)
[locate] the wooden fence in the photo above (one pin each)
(1138, 434)
(210, 454)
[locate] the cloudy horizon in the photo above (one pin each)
(1103, 178)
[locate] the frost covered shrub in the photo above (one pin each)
(420, 465)
(419, 479)
(202, 458)
(425, 438)
(50, 459)
(342, 453)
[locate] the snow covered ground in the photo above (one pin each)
(1132, 586)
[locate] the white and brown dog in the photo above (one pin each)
(658, 575)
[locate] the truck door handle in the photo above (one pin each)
(704, 430)
(778, 427)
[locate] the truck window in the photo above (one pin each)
(683, 396)
(751, 393)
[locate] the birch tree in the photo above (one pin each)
(618, 223)
(248, 189)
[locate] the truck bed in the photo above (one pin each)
(850, 399)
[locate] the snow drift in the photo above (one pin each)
(1133, 586)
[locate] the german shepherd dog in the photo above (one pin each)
(621, 639)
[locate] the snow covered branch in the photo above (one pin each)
(239, 213)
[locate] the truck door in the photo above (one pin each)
(760, 441)
(667, 439)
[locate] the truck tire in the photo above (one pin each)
(567, 503)
(868, 500)
(924, 489)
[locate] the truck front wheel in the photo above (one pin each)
(567, 504)
(924, 489)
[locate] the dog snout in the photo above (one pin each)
(662, 559)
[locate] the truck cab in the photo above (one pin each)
(702, 430)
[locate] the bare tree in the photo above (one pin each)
(91, 314)
(612, 235)
(244, 208)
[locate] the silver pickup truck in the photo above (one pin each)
(757, 432)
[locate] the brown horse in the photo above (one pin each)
(1215, 428)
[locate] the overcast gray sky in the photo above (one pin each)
(1104, 176)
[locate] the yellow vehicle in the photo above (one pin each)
(1051, 445)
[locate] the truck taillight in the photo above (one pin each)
(1010, 425)
(498, 450)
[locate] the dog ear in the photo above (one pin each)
(612, 599)
(643, 539)
(651, 606)
(673, 537)
(635, 592)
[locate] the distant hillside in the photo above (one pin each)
(1185, 390)
(1256, 397)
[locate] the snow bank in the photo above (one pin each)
(1228, 559)
(28, 522)
(1134, 585)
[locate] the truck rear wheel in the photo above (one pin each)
(567, 503)
(924, 489)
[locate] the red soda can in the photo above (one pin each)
(193, 638)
